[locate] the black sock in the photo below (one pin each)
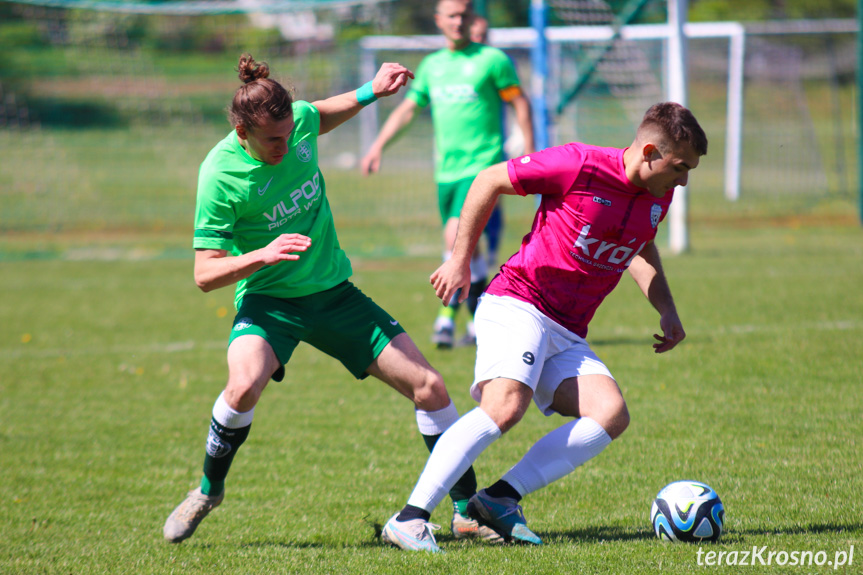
(476, 289)
(503, 489)
(453, 302)
(465, 487)
(222, 445)
(410, 512)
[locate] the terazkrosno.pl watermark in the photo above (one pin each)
(765, 556)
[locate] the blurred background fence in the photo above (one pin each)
(105, 115)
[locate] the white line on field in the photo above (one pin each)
(170, 347)
(599, 334)
(744, 329)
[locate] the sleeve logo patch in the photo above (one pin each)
(655, 214)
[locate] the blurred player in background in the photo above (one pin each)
(598, 217)
(466, 84)
(263, 222)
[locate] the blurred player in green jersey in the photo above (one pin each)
(466, 85)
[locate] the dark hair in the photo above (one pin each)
(259, 99)
(468, 3)
(677, 124)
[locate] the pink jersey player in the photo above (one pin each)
(592, 221)
(598, 217)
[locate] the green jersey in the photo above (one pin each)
(463, 88)
(244, 204)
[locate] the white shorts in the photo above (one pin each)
(517, 341)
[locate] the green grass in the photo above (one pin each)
(109, 368)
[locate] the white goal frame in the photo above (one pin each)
(676, 85)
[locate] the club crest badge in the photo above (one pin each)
(304, 151)
(655, 214)
(216, 446)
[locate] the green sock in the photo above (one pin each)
(447, 312)
(460, 506)
(209, 487)
(464, 488)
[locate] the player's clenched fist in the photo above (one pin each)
(449, 278)
(390, 78)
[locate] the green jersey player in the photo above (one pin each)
(465, 84)
(263, 222)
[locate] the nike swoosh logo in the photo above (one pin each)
(394, 322)
(262, 191)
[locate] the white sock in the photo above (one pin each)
(557, 455)
(436, 422)
(454, 453)
(228, 417)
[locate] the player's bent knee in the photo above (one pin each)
(506, 414)
(505, 401)
(508, 419)
(243, 395)
(617, 421)
(431, 394)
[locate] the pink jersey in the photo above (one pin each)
(591, 223)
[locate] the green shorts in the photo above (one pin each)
(341, 322)
(450, 197)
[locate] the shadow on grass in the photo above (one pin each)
(741, 535)
(588, 535)
(729, 537)
(599, 533)
(272, 544)
(374, 541)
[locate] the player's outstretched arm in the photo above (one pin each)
(646, 270)
(398, 120)
(215, 268)
(339, 109)
(454, 274)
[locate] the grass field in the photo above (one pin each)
(109, 367)
(111, 359)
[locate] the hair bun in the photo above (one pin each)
(249, 70)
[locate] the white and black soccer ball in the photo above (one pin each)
(687, 511)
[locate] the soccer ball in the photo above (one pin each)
(687, 511)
